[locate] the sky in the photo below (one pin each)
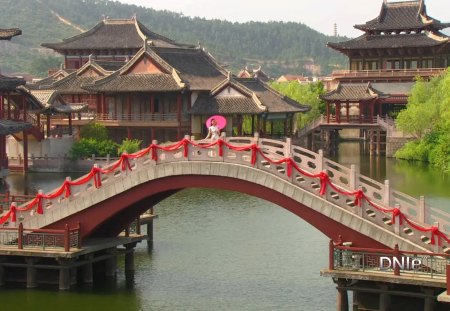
(317, 14)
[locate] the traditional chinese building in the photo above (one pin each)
(142, 85)
(16, 111)
(397, 46)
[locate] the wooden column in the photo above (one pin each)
(2, 103)
(129, 106)
(9, 106)
(328, 112)
(285, 127)
(2, 152)
(360, 110)
(152, 103)
(372, 108)
(24, 108)
(48, 125)
(25, 151)
(338, 112)
(179, 109)
(347, 106)
(70, 124)
(129, 133)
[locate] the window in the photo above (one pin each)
(371, 65)
(427, 63)
(393, 64)
(356, 65)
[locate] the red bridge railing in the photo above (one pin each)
(375, 202)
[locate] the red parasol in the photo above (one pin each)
(221, 121)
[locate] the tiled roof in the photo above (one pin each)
(7, 34)
(156, 82)
(69, 108)
(10, 126)
(10, 83)
(405, 15)
(352, 92)
(72, 84)
(113, 34)
(273, 100)
(366, 41)
(208, 105)
(197, 68)
(255, 97)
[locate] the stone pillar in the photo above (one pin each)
(429, 300)
(2, 274)
(31, 272)
(384, 299)
(150, 233)
(111, 264)
(129, 259)
(88, 275)
(342, 297)
(64, 274)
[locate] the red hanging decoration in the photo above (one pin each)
(324, 179)
(39, 210)
(125, 162)
(67, 188)
(154, 152)
(220, 143)
(359, 198)
(254, 148)
(13, 212)
(396, 212)
(185, 147)
(435, 234)
(289, 166)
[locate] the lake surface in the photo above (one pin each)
(219, 250)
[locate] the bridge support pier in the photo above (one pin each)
(385, 298)
(88, 275)
(2, 274)
(64, 274)
(150, 231)
(129, 260)
(31, 273)
(342, 297)
(111, 263)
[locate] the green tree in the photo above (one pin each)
(306, 94)
(427, 117)
(94, 130)
(130, 146)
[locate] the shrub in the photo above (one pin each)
(130, 146)
(94, 130)
(86, 147)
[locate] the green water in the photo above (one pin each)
(219, 250)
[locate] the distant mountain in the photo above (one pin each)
(278, 47)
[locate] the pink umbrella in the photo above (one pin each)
(221, 121)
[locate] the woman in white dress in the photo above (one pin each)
(213, 131)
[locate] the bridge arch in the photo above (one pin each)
(120, 206)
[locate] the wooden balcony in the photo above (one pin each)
(387, 73)
(133, 120)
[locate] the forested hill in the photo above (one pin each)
(279, 47)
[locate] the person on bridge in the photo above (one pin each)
(213, 131)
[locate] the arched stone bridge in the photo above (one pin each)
(335, 199)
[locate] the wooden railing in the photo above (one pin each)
(394, 262)
(390, 210)
(388, 72)
(21, 238)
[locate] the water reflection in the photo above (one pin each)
(413, 178)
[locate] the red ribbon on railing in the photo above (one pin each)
(154, 152)
(125, 162)
(324, 179)
(254, 150)
(435, 234)
(97, 178)
(67, 188)
(185, 147)
(396, 212)
(220, 144)
(39, 197)
(359, 197)
(289, 166)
